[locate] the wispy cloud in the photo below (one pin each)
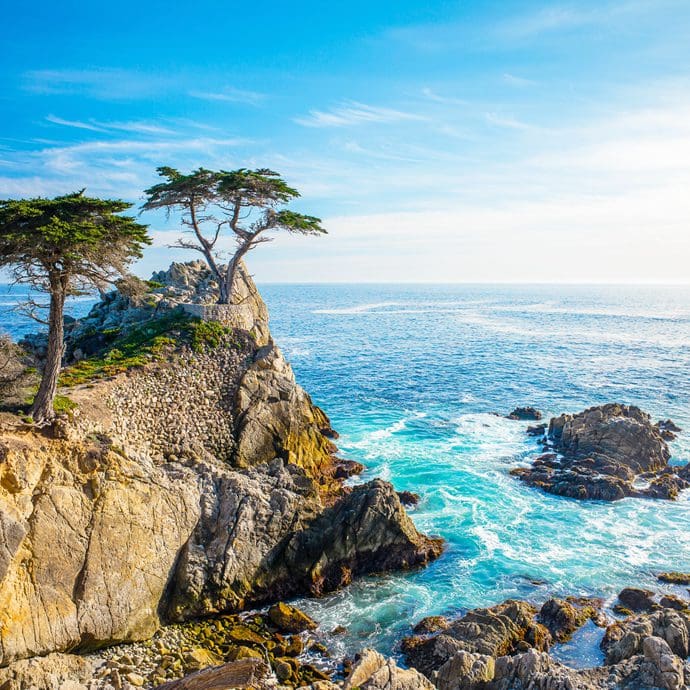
(507, 122)
(231, 95)
(74, 123)
(519, 82)
(354, 113)
(431, 95)
(102, 84)
(98, 126)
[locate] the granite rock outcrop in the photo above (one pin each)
(606, 453)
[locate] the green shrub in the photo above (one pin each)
(207, 335)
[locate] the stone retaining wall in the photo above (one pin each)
(182, 406)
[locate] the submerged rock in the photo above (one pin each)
(637, 600)
(606, 453)
(674, 578)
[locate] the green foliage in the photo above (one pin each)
(243, 203)
(83, 240)
(153, 284)
(63, 405)
(207, 335)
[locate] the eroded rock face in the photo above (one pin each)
(274, 417)
(606, 453)
(91, 539)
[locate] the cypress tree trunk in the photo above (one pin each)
(231, 273)
(42, 409)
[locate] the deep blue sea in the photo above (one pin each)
(410, 376)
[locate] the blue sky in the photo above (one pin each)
(440, 141)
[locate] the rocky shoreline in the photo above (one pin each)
(152, 536)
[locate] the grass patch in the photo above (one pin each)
(63, 405)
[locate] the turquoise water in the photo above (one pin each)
(410, 376)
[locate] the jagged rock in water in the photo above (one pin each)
(264, 535)
(499, 630)
(668, 430)
(603, 453)
(531, 414)
(674, 578)
(656, 668)
(562, 617)
(637, 600)
(431, 624)
(374, 672)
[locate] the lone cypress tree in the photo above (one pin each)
(243, 202)
(65, 246)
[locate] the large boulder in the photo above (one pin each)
(606, 453)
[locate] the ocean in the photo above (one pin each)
(411, 376)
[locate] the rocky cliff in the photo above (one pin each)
(193, 476)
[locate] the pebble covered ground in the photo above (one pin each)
(282, 635)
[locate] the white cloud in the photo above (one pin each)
(74, 123)
(231, 95)
(449, 100)
(353, 113)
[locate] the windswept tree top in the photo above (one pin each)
(72, 235)
(246, 202)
